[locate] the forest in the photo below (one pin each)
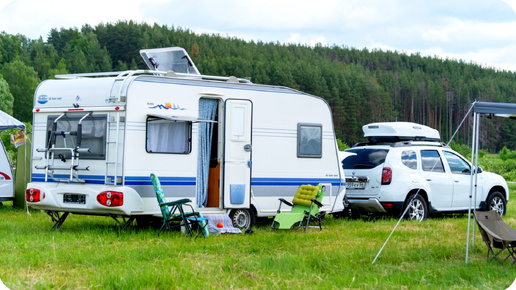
(360, 85)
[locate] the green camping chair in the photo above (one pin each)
(173, 211)
(305, 206)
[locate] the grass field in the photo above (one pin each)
(91, 252)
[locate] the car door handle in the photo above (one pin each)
(429, 179)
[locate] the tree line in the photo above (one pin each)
(360, 85)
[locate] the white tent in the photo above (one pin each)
(8, 122)
(494, 109)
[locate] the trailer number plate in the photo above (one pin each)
(355, 185)
(74, 198)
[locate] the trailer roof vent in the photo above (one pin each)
(174, 59)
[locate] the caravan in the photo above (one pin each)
(6, 176)
(231, 146)
(6, 171)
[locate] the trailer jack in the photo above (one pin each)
(57, 218)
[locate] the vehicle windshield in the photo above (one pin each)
(364, 158)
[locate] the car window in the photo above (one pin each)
(364, 158)
(456, 163)
(431, 161)
(409, 159)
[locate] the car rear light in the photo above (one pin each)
(34, 195)
(111, 198)
(386, 176)
(387, 204)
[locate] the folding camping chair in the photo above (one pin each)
(168, 210)
(496, 234)
(305, 206)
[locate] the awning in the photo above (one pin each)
(180, 118)
(9, 122)
(507, 110)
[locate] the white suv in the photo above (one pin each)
(404, 159)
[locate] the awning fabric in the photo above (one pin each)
(498, 109)
(9, 122)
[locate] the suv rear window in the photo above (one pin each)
(364, 158)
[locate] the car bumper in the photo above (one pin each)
(373, 205)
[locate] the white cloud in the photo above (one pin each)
(35, 18)
(435, 35)
(511, 3)
(475, 30)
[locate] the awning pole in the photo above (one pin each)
(476, 172)
(473, 171)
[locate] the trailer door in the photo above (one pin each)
(237, 153)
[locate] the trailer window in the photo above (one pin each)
(93, 135)
(309, 140)
(165, 136)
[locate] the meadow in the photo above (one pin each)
(92, 252)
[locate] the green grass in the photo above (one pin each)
(90, 252)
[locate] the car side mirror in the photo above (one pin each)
(479, 170)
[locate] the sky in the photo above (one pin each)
(477, 31)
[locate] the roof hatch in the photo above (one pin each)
(174, 59)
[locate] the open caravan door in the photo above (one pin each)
(237, 154)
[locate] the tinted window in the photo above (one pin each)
(93, 134)
(431, 161)
(457, 164)
(364, 158)
(309, 140)
(409, 159)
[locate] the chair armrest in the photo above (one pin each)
(317, 202)
(177, 202)
(286, 202)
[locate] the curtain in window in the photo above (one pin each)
(207, 111)
(167, 137)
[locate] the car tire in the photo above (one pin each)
(417, 208)
(497, 202)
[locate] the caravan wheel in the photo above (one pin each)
(242, 218)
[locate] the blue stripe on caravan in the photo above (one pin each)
(93, 179)
(145, 180)
(294, 181)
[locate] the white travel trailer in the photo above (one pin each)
(231, 146)
(6, 171)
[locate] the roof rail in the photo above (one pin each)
(402, 144)
(418, 143)
(128, 73)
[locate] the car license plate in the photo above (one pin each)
(74, 198)
(355, 185)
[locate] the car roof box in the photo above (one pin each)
(399, 131)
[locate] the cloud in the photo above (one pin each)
(463, 29)
(35, 18)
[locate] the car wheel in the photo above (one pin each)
(497, 202)
(417, 208)
(242, 218)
